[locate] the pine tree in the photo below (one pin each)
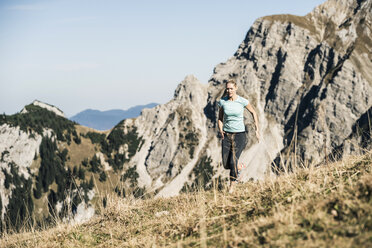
(102, 176)
(75, 171)
(37, 190)
(85, 162)
(91, 183)
(81, 174)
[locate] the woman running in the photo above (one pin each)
(232, 129)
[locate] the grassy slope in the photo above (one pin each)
(317, 207)
(76, 154)
(86, 150)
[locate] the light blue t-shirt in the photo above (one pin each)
(233, 119)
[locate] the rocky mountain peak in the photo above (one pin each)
(190, 89)
(340, 10)
(46, 106)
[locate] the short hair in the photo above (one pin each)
(231, 81)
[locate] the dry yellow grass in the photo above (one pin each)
(328, 206)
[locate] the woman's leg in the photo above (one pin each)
(239, 143)
(226, 151)
(232, 147)
(233, 162)
(227, 155)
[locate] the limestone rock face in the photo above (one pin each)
(16, 147)
(174, 135)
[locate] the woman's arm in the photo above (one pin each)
(220, 122)
(251, 109)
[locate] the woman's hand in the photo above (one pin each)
(222, 133)
(220, 123)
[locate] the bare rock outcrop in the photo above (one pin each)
(49, 107)
(173, 133)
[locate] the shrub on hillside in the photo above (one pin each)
(95, 138)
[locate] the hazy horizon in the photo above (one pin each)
(79, 55)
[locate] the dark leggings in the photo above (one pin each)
(232, 146)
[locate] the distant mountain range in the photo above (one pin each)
(104, 120)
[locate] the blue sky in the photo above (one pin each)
(79, 54)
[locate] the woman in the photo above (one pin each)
(232, 129)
